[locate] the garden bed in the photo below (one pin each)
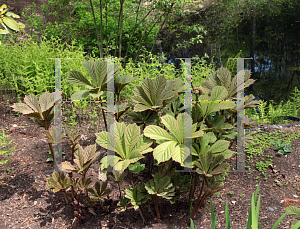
(25, 202)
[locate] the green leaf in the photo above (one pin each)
(175, 126)
(122, 81)
(161, 187)
(11, 23)
(213, 216)
(137, 167)
(131, 135)
(228, 222)
(42, 110)
(12, 15)
(122, 165)
(158, 133)
(219, 146)
(49, 159)
(296, 226)
(154, 94)
(164, 151)
(293, 211)
(279, 220)
(129, 144)
(3, 31)
(192, 224)
(76, 78)
(170, 146)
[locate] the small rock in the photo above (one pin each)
(295, 196)
(221, 212)
(270, 209)
(233, 202)
(35, 203)
(15, 125)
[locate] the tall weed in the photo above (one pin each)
(31, 72)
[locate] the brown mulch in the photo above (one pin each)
(25, 202)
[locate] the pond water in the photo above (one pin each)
(273, 39)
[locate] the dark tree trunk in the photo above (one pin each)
(252, 47)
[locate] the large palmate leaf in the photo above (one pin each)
(41, 111)
(155, 94)
(137, 195)
(99, 73)
(217, 124)
(222, 77)
(122, 81)
(225, 130)
(210, 165)
(173, 144)
(223, 124)
(215, 183)
(174, 108)
(209, 143)
(129, 144)
(209, 92)
(120, 109)
(98, 193)
(161, 186)
(181, 184)
(145, 117)
(218, 93)
(59, 183)
(83, 159)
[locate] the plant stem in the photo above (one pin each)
(120, 191)
(142, 214)
(134, 219)
(103, 114)
(200, 197)
(4, 168)
(129, 175)
(192, 189)
(71, 174)
(79, 116)
(157, 209)
(140, 210)
(98, 124)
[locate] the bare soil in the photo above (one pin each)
(25, 202)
